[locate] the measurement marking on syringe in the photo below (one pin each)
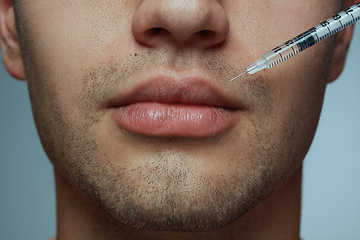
(353, 18)
(293, 49)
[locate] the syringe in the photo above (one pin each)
(306, 39)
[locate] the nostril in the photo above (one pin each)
(153, 31)
(205, 32)
(208, 34)
(156, 30)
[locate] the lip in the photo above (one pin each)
(175, 104)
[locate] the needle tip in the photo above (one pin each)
(237, 76)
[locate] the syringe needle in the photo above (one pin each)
(238, 76)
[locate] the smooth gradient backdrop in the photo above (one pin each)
(331, 186)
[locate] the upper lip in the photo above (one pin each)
(170, 87)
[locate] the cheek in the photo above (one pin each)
(60, 40)
(259, 26)
(64, 37)
(300, 82)
(298, 97)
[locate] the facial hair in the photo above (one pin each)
(168, 190)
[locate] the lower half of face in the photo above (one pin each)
(179, 182)
(247, 137)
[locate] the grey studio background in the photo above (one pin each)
(331, 186)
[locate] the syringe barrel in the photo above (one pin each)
(312, 36)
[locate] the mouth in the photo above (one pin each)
(170, 104)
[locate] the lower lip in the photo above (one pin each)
(174, 119)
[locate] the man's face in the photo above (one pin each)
(134, 107)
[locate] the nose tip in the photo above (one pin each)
(181, 22)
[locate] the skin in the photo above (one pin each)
(112, 183)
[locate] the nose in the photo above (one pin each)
(202, 23)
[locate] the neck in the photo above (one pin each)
(277, 217)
